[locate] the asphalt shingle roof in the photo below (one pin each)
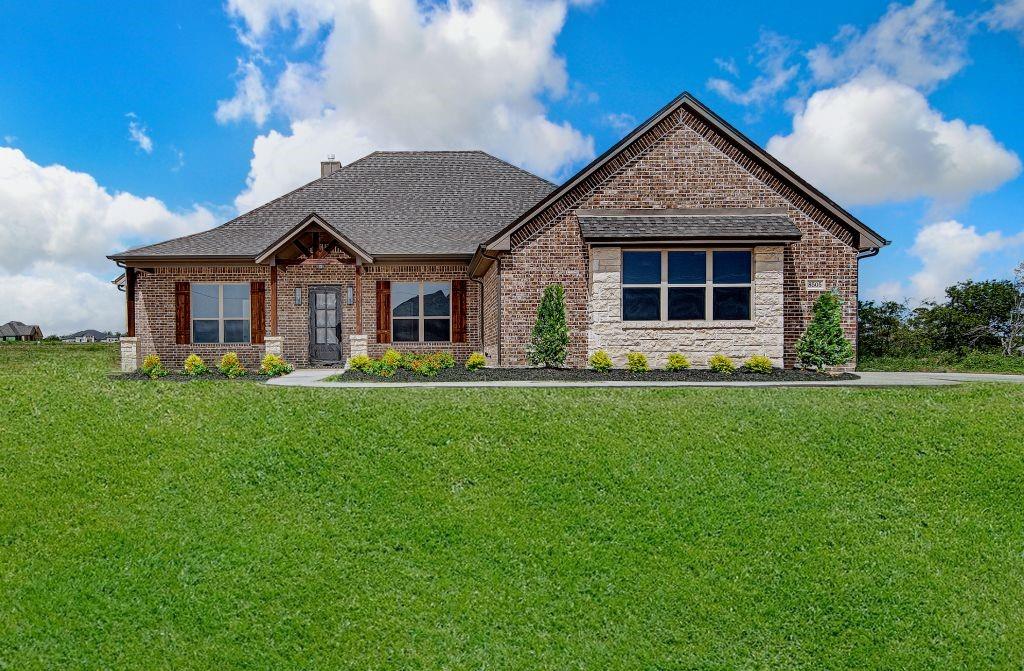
(685, 224)
(423, 202)
(13, 328)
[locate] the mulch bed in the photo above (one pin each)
(181, 377)
(460, 374)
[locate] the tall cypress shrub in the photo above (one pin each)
(824, 343)
(549, 342)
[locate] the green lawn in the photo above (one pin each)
(230, 525)
(948, 362)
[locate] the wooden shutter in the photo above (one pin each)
(458, 310)
(383, 311)
(182, 313)
(258, 310)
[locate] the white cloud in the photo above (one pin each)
(61, 300)
(620, 121)
(398, 74)
(920, 45)
(250, 99)
(1007, 15)
(874, 140)
(773, 52)
(139, 134)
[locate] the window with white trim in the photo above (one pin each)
(686, 285)
(220, 313)
(421, 311)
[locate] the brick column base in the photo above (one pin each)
(358, 344)
(274, 345)
(129, 354)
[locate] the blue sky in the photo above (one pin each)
(123, 123)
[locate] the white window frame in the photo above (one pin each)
(709, 284)
(421, 316)
(220, 311)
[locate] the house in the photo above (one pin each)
(87, 336)
(684, 236)
(17, 331)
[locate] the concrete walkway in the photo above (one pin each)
(314, 377)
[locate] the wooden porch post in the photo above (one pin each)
(273, 300)
(359, 298)
(129, 299)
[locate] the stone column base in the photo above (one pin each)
(358, 345)
(129, 355)
(274, 345)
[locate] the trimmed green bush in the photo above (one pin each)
(274, 365)
(231, 366)
(476, 361)
(442, 360)
(636, 362)
(194, 365)
(601, 361)
(677, 361)
(824, 343)
(758, 364)
(152, 367)
(360, 362)
(392, 357)
(549, 341)
(720, 363)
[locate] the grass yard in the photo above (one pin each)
(947, 362)
(230, 525)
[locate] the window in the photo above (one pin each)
(421, 311)
(686, 285)
(220, 313)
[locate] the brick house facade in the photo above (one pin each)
(479, 240)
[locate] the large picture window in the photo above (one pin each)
(220, 313)
(686, 285)
(421, 311)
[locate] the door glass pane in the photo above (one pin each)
(330, 318)
(641, 267)
(236, 300)
(236, 330)
(436, 330)
(332, 299)
(205, 301)
(437, 299)
(332, 336)
(405, 330)
(687, 267)
(731, 267)
(731, 302)
(641, 304)
(405, 299)
(205, 330)
(321, 336)
(686, 302)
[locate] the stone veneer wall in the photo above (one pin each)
(699, 341)
(680, 163)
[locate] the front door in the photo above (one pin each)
(325, 323)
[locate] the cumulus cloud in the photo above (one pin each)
(398, 74)
(61, 300)
(949, 252)
(771, 56)
(873, 140)
(1007, 15)
(250, 100)
(920, 45)
(139, 134)
(619, 121)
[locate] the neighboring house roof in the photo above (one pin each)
(704, 225)
(88, 333)
(864, 237)
(13, 328)
(387, 203)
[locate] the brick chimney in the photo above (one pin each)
(329, 166)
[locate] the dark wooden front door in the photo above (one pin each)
(325, 323)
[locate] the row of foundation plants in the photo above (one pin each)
(636, 362)
(392, 361)
(230, 366)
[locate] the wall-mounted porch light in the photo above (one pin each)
(298, 295)
(351, 296)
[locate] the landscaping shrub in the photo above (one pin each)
(549, 341)
(601, 361)
(476, 361)
(273, 365)
(393, 358)
(442, 360)
(152, 367)
(360, 362)
(824, 343)
(720, 363)
(636, 362)
(231, 366)
(677, 361)
(194, 365)
(758, 364)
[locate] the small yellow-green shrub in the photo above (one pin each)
(636, 362)
(152, 367)
(231, 366)
(601, 361)
(391, 357)
(360, 362)
(677, 361)
(476, 361)
(720, 363)
(273, 365)
(194, 365)
(758, 364)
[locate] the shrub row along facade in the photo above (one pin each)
(683, 237)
